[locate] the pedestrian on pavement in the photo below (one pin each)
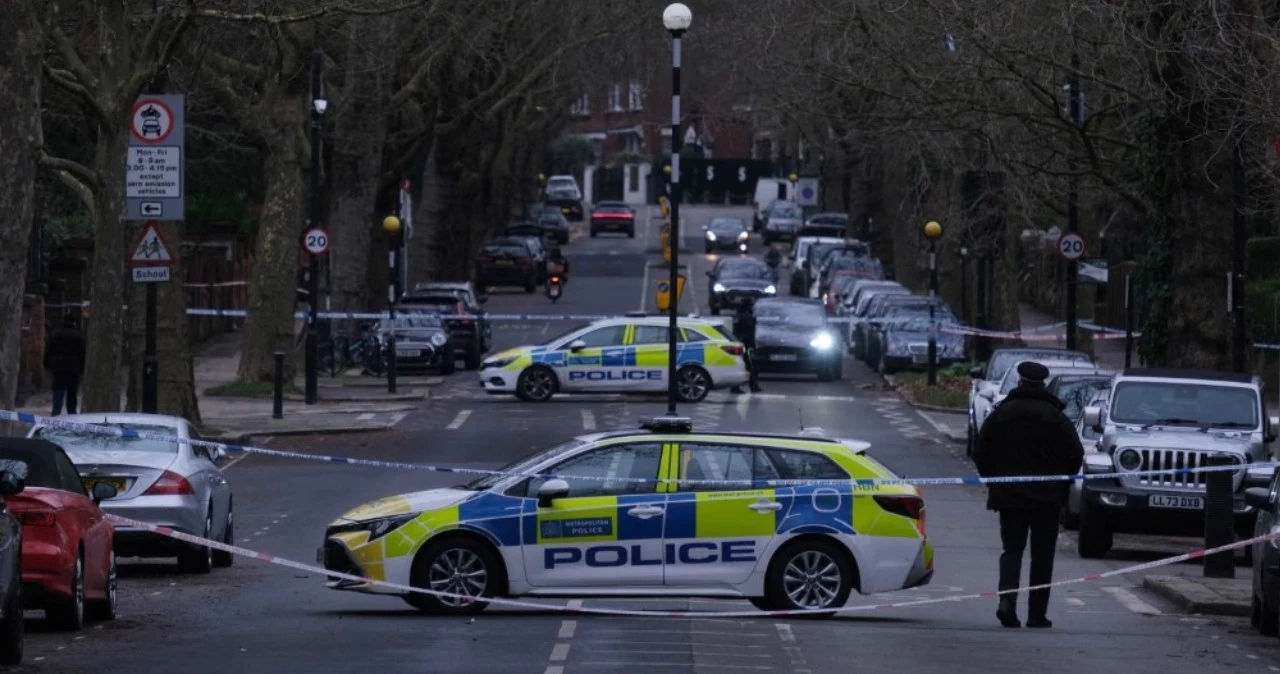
(64, 359)
(744, 328)
(1028, 434)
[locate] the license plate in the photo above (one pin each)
(784, 357)
(408, 353)
(1180, 502)
(920, 358)
(118, 484)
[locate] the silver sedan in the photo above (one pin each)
(171, 484)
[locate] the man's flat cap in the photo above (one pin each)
(1033, 371)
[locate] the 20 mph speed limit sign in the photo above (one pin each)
(1071, 247)
(316, 241)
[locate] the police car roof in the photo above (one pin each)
(734, 434)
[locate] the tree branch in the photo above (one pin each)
(309, 15)
(74, 62)
(81, 172)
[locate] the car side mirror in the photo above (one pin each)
(577, 345)
(975, 373)
(1258, 497)
(10, 483)
(103, 492)
(551, 490)
(1093, 418)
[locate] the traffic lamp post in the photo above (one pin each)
(933, 232)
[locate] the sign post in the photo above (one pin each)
(1071, 248)
(155, 190)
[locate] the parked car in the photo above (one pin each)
(858, 268)
(768, 191)
(531, 235)
(1079, 392)
(901, 342)
(563, 183)
(613, 216)
(68, 567)
(855, 311)
(991, 397)
(726, 234)
(880, 306)
(800, 251)
(736, 282)
(422, 341)
(506, 262)
(468, 324)
(12, 606)
(783, 222)
(171, 484)
(990, 374)
(553, 223)
(569, 201)
(826, 224)
(1266, 556)
(793, 336)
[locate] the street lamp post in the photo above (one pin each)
(391, 225)
(312, 357)
(964, 286)
(933, 232)
(676, 18)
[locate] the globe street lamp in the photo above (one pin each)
(933, 232)
(676, 18)
(793, 178)
(391, 225)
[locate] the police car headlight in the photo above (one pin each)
(823, 342)
(718, 288)
(743, 236)
(711, 236)
(498, 362)
(770, 290)
(382, 526)
(439, 339)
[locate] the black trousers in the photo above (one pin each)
(66, 387)
(1041, 527)
(748, 359)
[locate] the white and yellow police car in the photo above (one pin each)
(662, 512)
(620, 355)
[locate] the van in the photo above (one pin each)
(563, 182)
(768, 190)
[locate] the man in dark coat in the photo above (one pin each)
(64, 359)
(744, 328)
(1027, 434)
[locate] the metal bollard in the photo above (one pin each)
(277, 398)
(1219, 518)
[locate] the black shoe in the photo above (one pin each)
(1043, 623)
(756, 389)
(736, 389)
(1007, 614)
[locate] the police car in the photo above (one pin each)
(661, 512)
(620, 355)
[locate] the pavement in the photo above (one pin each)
(256, 618)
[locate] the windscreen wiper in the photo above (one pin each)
(1170, 420)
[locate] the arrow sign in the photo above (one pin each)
(150, 250)
(151, 209)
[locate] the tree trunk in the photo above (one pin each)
(19, 128)
(270, 324)
(105, 329)
(433, 240)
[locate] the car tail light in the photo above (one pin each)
(37, 518)
(734, 349)
(170, 484)
(907, 506)
(555, 279)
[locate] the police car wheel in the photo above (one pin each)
(812, 574)
(536, 384)
(692, 384)
(456, 566)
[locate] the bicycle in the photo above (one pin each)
(365, 353)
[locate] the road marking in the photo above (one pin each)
(1131, 601)
(1075, 602)
(644, 286)
(397, 418)
(366, 416)
(588, 420)
(567, 628)
(743, 403)
(784, 632)
(459, 420)
(553, 669)
(545, 328)
(560, 653)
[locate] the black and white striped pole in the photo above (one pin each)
(676, 18)
(933, 232)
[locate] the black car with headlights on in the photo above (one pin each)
(726, 234)
(901, 341)
(739, 281)
(569, 201)
(422, 342)
(793, 336)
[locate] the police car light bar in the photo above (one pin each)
(668, 425)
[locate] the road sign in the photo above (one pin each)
(316, 241)
(1071, 247)
(150, 274)
(150, 250)
(807, 192)
(662, 295)
(154, 185)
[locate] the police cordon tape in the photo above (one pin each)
(117, 431)
(516, 603)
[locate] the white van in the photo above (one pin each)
(563, 182)
(768, 190)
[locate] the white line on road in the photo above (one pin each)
(574, 604)
(1075, 602)
(554, 669)
(588, 420)
(784, 632)
(1131, 601)
(567, 628)
(459, 420)
(560, 653)
(398, 417)
(366, 416)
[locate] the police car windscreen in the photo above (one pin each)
(1184, 404)
(564, 334)
(794, 314)
(524, 464)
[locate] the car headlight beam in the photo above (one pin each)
(498, 362)
(770, 290)
(743, 236)
(439, 339)
(711, 236)
(385, 525)
(823, 341)
(718, 287)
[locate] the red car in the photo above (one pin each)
(68, 567)
(613, 216)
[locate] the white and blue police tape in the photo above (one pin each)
(118, 431)
(516, 603)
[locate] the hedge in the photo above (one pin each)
(1262, 259)
(1262, 306)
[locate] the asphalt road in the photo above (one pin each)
(257, 618)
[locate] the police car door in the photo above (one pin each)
(650, 345)
(608, 531)
(717, 534)
(596, 360)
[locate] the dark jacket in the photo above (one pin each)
(744, 328)
(64, 353)
(1027, 434)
